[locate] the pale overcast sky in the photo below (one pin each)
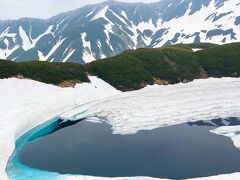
(14, 9)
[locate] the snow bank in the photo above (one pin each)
(158, 106)
(26, 104)
(230, 131)
(234, 176)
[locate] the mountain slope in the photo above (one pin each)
(107, 29)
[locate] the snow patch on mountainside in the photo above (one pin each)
(87, 53)
(7, 34)
(124, 14)
(48, 31)
(101, 14)
(9, 51)
(108, 30)
(69, 55)
(41, 56)
(188, 25)
(55, 47)
(2, 54)
(6, 42)
(26, 43)
(119, 17)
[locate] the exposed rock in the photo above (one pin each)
(69, 83)
(19, 76)
(185, 81)
(171, 63)
(203, 74)
(160, 82)
(235, 74)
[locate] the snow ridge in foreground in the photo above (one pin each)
(159, 106)
(146, 109)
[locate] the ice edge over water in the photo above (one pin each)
(146, 109)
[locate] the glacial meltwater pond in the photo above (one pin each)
(177, 152)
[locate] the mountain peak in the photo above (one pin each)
(111, 2)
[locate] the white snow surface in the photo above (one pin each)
(2, 54)
(87, 52)
(196, 49)
(25, 39)
(230, 131)
(124, 14)
(69, 55)
(101, 14)
(26, 104)
(41, 56)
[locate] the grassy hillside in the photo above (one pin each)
(123, 72)
(52, 73)
(221, 61)
(173, 64)
(134, 69)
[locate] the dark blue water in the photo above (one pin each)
(176, 152)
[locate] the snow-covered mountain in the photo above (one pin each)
(106, 29)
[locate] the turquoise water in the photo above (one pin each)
(176, 152)
(17, 170)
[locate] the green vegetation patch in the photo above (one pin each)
(187, 63)
(221, 61)
(52, 73)
(123, 72)
(134, 69)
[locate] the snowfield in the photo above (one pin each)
(26, 104)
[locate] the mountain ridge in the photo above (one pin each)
(97, 31)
